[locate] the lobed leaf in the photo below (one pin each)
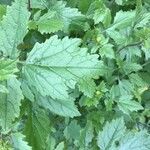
(55, 65)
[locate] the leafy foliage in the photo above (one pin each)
(75, 74)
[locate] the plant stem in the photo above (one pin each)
(130, 45)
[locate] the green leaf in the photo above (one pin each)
(118, 37)
(146, 48)
(77, 72)
(119, 2)
(6, 2)
(125, 87)
(51, 142)
(107, 50)
(122, 20)
(99, 12)
(13, 28)
(37, 129)
(2, 11)
(49, 23)
(72, 131)
(58, 106)
(129, 53)
(3, 89)
(60, 146)
(7, 68)
(42, 4)
(111, 132)
(86, 135)
(10, 103)
(136, 80)
(138, 141)
(27, 91)
(59, 17)
(51, 74)
(88, 87)
(142, 16)
(18, 142)
(127, 105)
(129, 67)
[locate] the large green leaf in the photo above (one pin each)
(13, 28)
(112, 132)
(55, 65)
(37, 129)
(138, 141)
(10, 103)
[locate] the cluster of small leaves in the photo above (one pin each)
(74, 74)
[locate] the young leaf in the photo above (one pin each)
(127, 105)
(112, 132)
(10, 103)
(59, 17)
(107, 50)
(13, 28)
(99, 12)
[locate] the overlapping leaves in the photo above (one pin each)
(113, 137)
(92, 68)
(53, 78)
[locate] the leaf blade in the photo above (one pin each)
(13, 28)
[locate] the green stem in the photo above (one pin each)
(130, 45)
